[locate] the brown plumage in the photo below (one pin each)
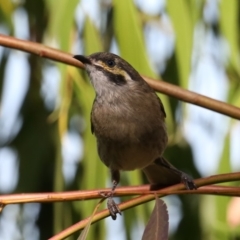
(128, 120)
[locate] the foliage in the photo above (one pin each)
(39, 141)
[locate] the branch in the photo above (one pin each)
(176, 189)
(123, 191)
(160, 86)
(146, 196)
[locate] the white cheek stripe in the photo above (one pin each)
(127, 77)
(125, 74)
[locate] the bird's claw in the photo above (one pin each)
(111, 205)
(106, 194)
(188, 182)
(113, 208)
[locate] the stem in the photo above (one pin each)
(123, 191)
(160, 86)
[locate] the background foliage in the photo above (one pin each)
(52, 120)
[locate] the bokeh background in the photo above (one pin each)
(45, 139)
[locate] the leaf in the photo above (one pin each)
(85, 231)
(92, 38)
(221, 204)
(182, 22)
(60, 31)
(61, 22)
(67, 90)
(157, 227)
(230, 29)
(132, 47)
(6, 10)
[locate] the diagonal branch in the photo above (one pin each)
(160, 86)
(146, 196)
(176, 189)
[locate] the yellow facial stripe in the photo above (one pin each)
(115, 70)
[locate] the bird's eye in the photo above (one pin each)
(110, 63)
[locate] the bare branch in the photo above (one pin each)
(176, 189)
(160, 86)
(122, 191)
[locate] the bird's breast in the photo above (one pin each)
(128, 137)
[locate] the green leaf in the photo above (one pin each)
(61, 21)
(85, 231)
(92, 39)
(221, 225)
(6, 11)
(229, 24)
(129, 36)
(180, 14)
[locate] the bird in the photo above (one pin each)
(128, 120)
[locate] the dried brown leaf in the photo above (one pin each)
(157, 227)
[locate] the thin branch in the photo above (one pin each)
(212, 190)
(120, 191)
(146, 196)
(39, 49)
(194, 98)
(160, 86)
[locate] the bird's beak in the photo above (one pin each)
(83, 59)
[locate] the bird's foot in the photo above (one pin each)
(111, 205)
(113, 208)
(188, 181)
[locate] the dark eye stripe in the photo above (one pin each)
(115, 78)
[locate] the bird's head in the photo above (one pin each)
(109, 72)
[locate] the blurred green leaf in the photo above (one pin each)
(221, 226)
(6, 12)
(229, 24)
(180, 14)
(131, 40)
(61, 21)
(92, 39)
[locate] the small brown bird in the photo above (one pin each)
(128, 120)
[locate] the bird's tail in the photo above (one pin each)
(162, 174)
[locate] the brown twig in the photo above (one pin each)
(160, 86)
(146, 196)
(176, 189)
(194, 98)
(120, 191)
(211, 190)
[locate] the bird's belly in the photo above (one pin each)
(127, 158)
(126, 140)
